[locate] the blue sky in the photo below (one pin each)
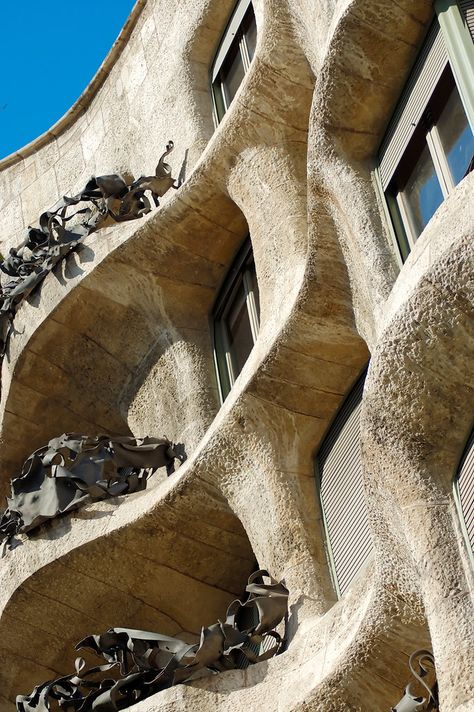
(49, 51)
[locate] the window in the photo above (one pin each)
(341, 493)
(429, 144)
(464, 493)
(236, 319)
(233, 57)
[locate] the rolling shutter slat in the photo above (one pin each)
(338, 539)
(346, 485)
(346, 575)
(347, 504)
(426, 73)
(341, 492)
(467, 9)
(465, 486)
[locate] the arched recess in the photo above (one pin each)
(169, 560)
(133, 296)
(416, 419)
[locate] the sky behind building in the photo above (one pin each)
(49, 52)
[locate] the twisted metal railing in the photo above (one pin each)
(73, 469)
(422, 693)
(139, 664)
(67, 223)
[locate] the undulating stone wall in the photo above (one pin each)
(117, 339)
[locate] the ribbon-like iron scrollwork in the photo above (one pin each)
(73, 469)
(422, 694)
(64, 226)
(140, 663)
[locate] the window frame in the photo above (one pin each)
(234, 37)
(239, 274)
(450, 30)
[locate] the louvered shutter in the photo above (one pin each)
(342, 494)
(465, 487)
(467, 9)
(421, 83)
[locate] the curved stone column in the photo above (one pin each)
(417, 414)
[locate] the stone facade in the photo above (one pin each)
(117, 340)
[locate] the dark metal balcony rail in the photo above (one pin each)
(422, 693)
(139, 664)
(73, 469)
(64, 226)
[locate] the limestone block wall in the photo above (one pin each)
(117, 339)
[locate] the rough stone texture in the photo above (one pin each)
(118, 339)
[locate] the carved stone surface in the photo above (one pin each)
(74, 468)
(61, 229)
(140, 663)
(128, 337)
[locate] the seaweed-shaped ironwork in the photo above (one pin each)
(73, 469)
(139, 663)
(422, 694)
(67, 223)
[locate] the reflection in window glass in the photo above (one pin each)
(422, 194)
(456, 137)
(255, 292)
(429, 145)
(239, 331)
(236, 319)
(233, 75)
(251, 37)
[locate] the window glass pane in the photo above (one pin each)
(422, 193)
(251, 35)
(232, 74)
(253, 280)
(239, 331)
(218, 98)
(456, 136)
(400, 231)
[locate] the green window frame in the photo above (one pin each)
(233, 58)
(415, 170)
(236, 319)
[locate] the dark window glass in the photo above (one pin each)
(219, 99)
(236, 319)
(251, 36)
(232, 74)
(255, 292)
(239, 330)
(231, 64)
(456, 137)
(437, 157)
(429, 145)
(422, 194)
